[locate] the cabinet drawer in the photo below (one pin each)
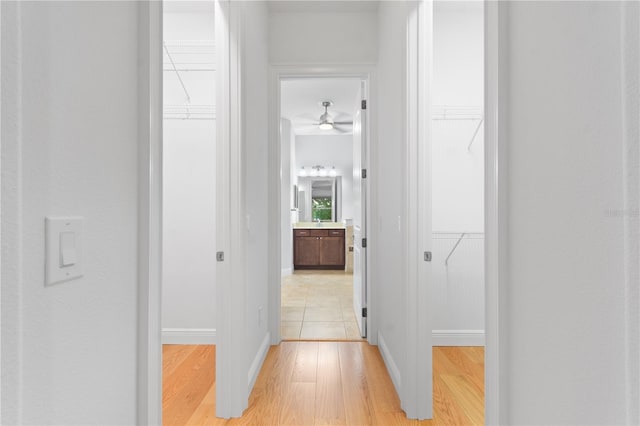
(302, 233)
(336, 232)
(319, 233)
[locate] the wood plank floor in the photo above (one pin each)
(322, 383)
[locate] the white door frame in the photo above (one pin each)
(496, 213)
(149, 380)
(150, 208)
(292, 71)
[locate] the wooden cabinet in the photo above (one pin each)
(318, 249)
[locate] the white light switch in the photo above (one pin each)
(68, 254)
(63, 249)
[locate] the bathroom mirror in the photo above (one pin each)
(320, 198)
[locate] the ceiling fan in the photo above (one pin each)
(327, 122)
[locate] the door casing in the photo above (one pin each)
(278, 73)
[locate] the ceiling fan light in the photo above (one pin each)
(326, 122)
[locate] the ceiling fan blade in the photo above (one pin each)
(343, 123)
(306, 130)
(343, 129)
(341, 116)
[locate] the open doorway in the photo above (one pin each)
(323, 288)
(189, 210)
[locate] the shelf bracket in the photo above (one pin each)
(473, 138)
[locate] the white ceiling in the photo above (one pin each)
(301, 102)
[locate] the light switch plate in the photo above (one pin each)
(63, 249)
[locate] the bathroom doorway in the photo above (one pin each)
(323, 158)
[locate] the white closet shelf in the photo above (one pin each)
(459, 113)
(189, 112)
(456, 112)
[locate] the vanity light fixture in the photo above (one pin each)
(318, 170)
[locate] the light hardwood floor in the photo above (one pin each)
(322, 383)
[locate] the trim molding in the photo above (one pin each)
(189, 336)
(256, 365)
(286, 271)
(458, 338)
(392, 367)
(277, 72)
(149, 261)
(496, 216)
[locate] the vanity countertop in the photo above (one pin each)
(314, 225)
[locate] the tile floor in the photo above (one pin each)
(318, 305)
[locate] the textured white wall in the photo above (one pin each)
(254, 80)
(71, 149)
(388, 274)
(566, 342)
(327, 35)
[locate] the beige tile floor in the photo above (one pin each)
(318, 305)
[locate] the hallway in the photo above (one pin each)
(317, 383)
(318, 305)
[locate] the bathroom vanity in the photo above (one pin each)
(319, 248)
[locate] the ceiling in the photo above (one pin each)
(301, 102)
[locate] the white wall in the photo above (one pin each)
(329, 151)
(69, 147)
(255, 125)
(188, 282)
(458, 80)
(323, 33)
(388, 277)
(189, 245)
(566, 294)
(287, 152)
(458, 174)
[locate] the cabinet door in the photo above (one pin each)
(306, 251)
(331, 251)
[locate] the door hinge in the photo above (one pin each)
(364, 243)
(220, 256)
(364, 312)
(427, 256)
(363, 104)
(364, 174)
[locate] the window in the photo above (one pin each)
(321, 208)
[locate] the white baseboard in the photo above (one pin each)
(254, 370)
(392, 367)
(189, 336)
(286, 271)
(458, 338)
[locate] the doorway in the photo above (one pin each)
(322, 291)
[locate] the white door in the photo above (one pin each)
(359, 213)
